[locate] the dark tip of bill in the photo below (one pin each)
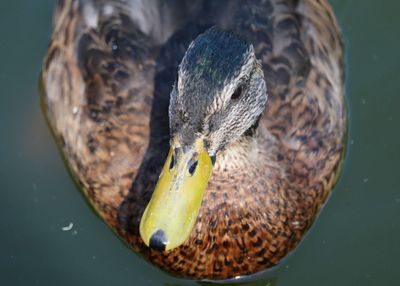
(158, 241)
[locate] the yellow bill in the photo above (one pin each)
(172, 211)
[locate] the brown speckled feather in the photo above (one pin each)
(108, 74)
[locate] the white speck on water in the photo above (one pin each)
(365, 180)
(75, 110)
(351, 142)
(397, 201)
(94, 257)
(35, 200)
(34, 186)
(74, 232)
(68, 227)
(363, 101)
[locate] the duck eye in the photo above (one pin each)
(237, 93)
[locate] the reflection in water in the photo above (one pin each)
(262, 282)
(240, 282)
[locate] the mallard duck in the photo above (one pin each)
(206, 134)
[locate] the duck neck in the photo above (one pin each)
(240, 153)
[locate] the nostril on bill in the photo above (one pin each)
(192, 166)
(173, 162)
(158, 240)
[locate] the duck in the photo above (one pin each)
(206, 134)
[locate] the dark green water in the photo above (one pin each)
(355, 241)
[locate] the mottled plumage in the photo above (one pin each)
(108, 76)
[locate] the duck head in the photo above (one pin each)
(219, 94)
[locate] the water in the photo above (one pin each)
(49, 236)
